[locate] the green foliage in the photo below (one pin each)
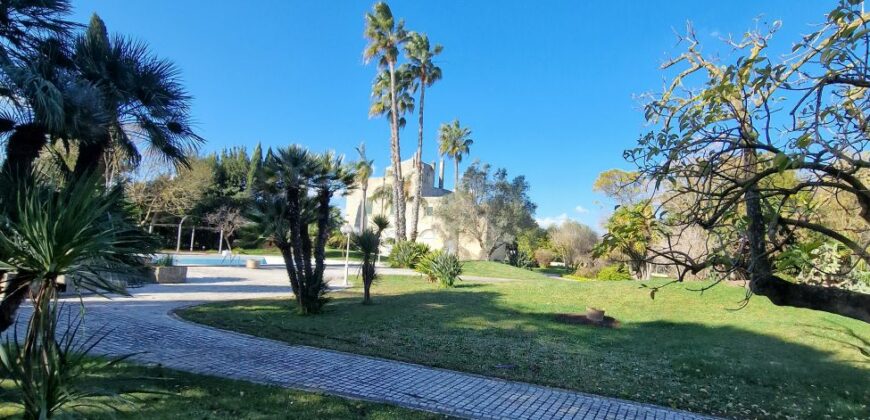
(631, 230)
(518, 258)
(48, 372)
(368, 242)
(533, 239)
(614, 272)
(441, 267)
(293, 211)
(406, 254)
(544, 257)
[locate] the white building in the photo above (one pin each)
(429, 230)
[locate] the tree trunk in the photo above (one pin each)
(192, 236)
(322, 233)
(418, 195)
(456, 169)
(23, 148)
(364, 222)
(396, 156)
(221, 242)
(90, 158)
(178, 239)
(441, 173)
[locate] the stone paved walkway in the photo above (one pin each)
(143, 323)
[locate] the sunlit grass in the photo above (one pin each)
(683, 349)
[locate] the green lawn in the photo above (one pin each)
(156, 393)
(683, 349)
(498, 270)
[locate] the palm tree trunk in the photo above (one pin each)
(441, 173)
(90, 158)
(418, 196)
(396, 156)
(322, 233)
(364, 200)
(23, 147)
(456, 170)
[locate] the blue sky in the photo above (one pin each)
(548, 88)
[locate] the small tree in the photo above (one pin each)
(369, 243)
(631, 230)
(573, 240)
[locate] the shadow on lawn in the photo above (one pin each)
(717, 369)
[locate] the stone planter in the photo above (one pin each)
(595, 314)
(172, 274)
(252, 263)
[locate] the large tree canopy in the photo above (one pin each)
(489, 207)
(728, 132)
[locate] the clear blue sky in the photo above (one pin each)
(547, 87)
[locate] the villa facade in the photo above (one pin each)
(430, 231)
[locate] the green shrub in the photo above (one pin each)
(440, 267)
(544, 257)
(614, 272)
(406, 254)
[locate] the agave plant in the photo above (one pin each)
(440, 267)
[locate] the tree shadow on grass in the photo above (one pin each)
(155, 393)
(737, 370)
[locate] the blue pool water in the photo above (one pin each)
(214, 260)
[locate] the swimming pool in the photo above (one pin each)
(214, 260)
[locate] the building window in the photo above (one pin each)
(429, 211)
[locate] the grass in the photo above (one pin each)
(498, 270)
(157, 393)
(683, 349)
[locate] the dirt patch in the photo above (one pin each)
(581, 319)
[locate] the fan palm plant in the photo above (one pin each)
(142, 98)
(293, 193)
(386, 36)
(369, 243)
(455, 142)
(426, 73)
(364, 169)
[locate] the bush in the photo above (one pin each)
(587, 272)
(614, 272)
(544, 257)
(407, 254)
(440, 267)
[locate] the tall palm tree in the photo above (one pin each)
(426, 73)
(385, 36)
(455, 142)
(141, 95)
(364, 170)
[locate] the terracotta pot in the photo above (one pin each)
(252, 263)
(595, 314)
(172, 274)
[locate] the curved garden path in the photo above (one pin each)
(144, 324)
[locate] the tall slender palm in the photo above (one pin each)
(426, 73)
(364, 170)
(455, 142)
(385, 36)
(142, 98)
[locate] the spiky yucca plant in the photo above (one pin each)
(77, 230)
